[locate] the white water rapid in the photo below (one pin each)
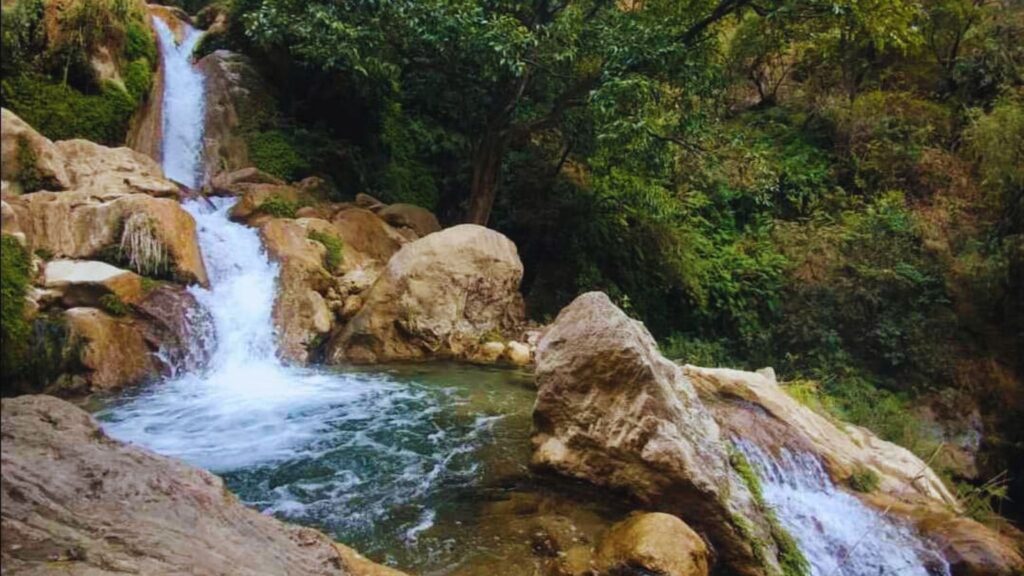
(839, 535)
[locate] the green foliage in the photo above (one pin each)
(22, 36)
(113, 305)
(984, 502)
(28, 170)
(274, 152)
(61, 112)
(15, 264)
(864, 480)
(279, 207)
(334, 253)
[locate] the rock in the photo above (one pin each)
(300, 314)
(420, 220)
(518, 353)
(366, 233)
(314, 186)
(9, 221)
(101, 170)
(226, 183)
(752, 405)
(173, 322)
(436, 298)
(369, 202)
(146, 129)
(20, 142)
(83, 225)
(489, 352)
(612, 411)
(656, 543)
(254, 198)
(235, 93)
(973, 549)
(77, 502)
(87, 283)
(112, 350)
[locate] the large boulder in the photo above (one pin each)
(111, 350)
(99, 169)
(612, 411)
(235, 95)
(367, 233)
(27, 155)
(85, 225)
(90, 283)
(172, 321)
(652, 543)
(438, 297)
(301, 314)
(76, 502)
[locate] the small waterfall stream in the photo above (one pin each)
(379, 459)
(839, 535)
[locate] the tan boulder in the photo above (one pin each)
(365, 232)
(226, 183)
(369, 202)
(235, 93)
(83, 225)
(518, 353)
(437, 297)
(88, 283)
(655, 543)
(19, 142)
(111, 350)
(612, 411)
(77, 502)
(489, 352)
(753, 405)
(98, 169)
(173, 322)
(419, 220)
(301, 314)
(973, 549)
(263, 199)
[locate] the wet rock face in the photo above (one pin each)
(438, 297)
(73, 498)
(174, 324)
(612, 411)
(111, 350)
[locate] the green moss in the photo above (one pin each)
(14, 330)
(138, 79)
(62, 112)
(28, 170)
(279, 207)
(149, 284)
(335, 247)
(863, 480)
(139, 42)
(44, 254)
(791, 559)
(113, 305)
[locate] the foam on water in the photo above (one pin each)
(839, 535)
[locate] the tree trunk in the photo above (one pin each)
(487, 159)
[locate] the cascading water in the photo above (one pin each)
(183, 108)
(839, 535)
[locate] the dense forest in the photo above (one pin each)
(832, 188)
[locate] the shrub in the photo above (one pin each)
(274, 152)
(15, 265)
(61, 112)
(23, 39)
(334, 247)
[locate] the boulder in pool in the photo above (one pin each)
(655, 543)
(439, 297)
(77, 502)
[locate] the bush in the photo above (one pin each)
(864, 480)
(15, 263)
(278, 207)
(274, 152)
(61, 112)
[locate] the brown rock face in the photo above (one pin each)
(77, 502)
(87, 283)
(253, 196)
(101, 170)
(367, 233)
(83, 225)
(300, 313)
(111, 350)
(172, 321)
(437, 297)
(419, 220)
(20, 142)
(612, 411)
(973, 549)
(235, 92)
(655, 542)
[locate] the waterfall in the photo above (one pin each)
(839, 534)
(183, 104)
